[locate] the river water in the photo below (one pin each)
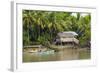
(66, 54)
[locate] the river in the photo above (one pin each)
(66, 54)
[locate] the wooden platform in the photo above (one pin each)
(33, 46)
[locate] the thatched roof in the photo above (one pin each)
(67, 34)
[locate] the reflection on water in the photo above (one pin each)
(66, 54)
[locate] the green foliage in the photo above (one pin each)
(43, 26)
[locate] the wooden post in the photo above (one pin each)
(73, 41)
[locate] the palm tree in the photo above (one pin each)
(27, 21)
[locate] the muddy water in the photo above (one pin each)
(66, 54)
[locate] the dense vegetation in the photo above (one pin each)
(40, 27)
